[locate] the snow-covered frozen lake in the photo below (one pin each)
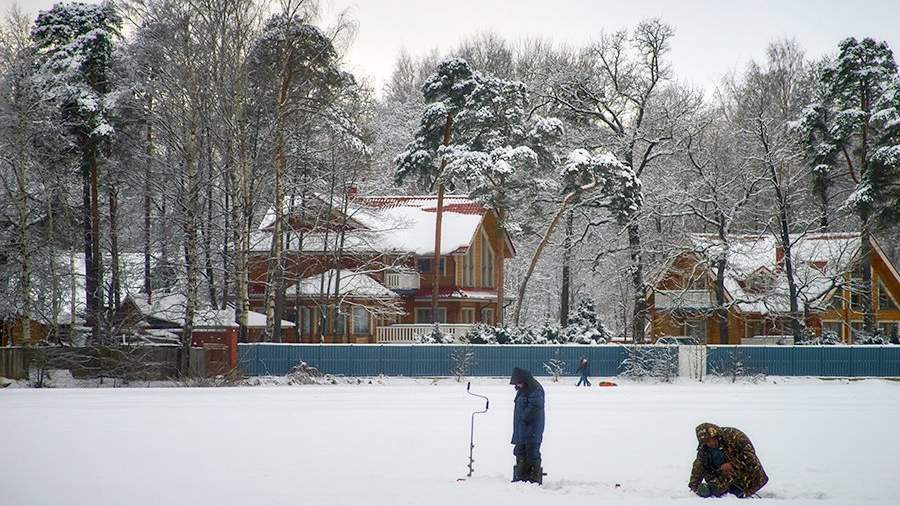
(406, 441)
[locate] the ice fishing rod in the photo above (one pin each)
(487, 405)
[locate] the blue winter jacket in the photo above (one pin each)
(528, 417)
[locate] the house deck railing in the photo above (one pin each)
(410, 333)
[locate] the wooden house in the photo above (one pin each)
(359, 269)
(828, 274)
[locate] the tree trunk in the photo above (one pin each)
(566, 290)
(439, 218)
(637, 280)
(191, 253)
(148, 176)
(115, 282)
(865, 256)
(207, 228)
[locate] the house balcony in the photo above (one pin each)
(411, 333)
(684, 299)
(402, 280)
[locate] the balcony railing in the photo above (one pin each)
(401, 280)
(410, 333)
(684, 299)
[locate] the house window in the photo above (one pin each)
(360, 321)
(837, 300)
(468, 268)
(696, 328)
(832, 327)
(424, 265)
(886, 301)
(468, 315)
(340, 322)
(755, 328)
(423, 315)
(487, 261)
(487, 315)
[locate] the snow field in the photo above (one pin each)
(404, 442)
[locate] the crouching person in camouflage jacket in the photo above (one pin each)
(726, 463)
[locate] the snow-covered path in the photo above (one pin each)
(405, 443)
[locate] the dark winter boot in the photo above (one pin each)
(537, 473)
(520, 470)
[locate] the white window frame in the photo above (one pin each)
(338, 316)
(701, 324)
(487, 261)
(889, 294)
(360, 314)
(467, 315)
(468, 267)
(488, 315)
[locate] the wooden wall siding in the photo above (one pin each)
(684, 267)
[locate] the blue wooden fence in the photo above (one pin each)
(498, 360)
(833, 361)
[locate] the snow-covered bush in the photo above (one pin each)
(463, 360)
(736, 365)
(584, 325)
(436, 336)
(644, 362)
(555, 367)
(304, 374)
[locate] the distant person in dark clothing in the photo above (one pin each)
(585, 369)
(528, 426)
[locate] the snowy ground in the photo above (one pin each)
(405, 443)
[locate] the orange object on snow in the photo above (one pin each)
(606, 384)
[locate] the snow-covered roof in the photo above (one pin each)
(352, 285)
(171, 308)
(820, 262)
(391, 224)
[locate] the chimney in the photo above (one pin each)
(779, 257)
(352, 191)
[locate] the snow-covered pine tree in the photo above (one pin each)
(475, 133)
(584, 325)
(298, 64)
(74, 46)
(856, 123)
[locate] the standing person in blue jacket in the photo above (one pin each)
(528, 426)
(585, 369)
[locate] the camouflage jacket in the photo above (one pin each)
(748, 474)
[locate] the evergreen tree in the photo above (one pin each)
(584, 325)
(74, 44)
(475, 133)
(857, 123)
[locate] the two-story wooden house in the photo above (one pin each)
(828, 276)
(360, 269)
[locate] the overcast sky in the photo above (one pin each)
(712, 36)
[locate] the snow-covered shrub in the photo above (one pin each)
(304, 374)
(555, 367)
(828, 338)
(864, 338)
(436, 336)
(656, 362)
(736, 365)
(462, 360)
(481, 334)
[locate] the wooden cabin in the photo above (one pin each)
(360, 269)
(828, 277)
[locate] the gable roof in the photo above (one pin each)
(820, 262)
(170, 308)
(399, 224)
